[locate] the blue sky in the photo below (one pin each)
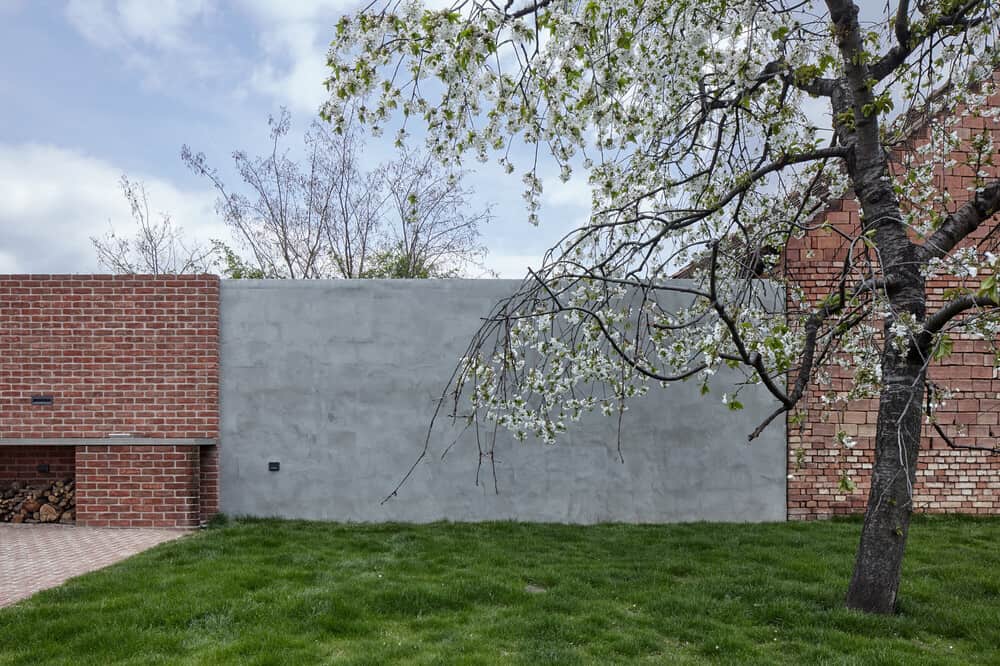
(94, 89)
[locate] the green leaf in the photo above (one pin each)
(944, 347)
(988, 288)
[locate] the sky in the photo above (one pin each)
(96, 89)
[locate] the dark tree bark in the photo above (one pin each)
(878, 567)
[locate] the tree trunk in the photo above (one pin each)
(879, 563)
(878, 567)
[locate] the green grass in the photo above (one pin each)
(274, 592)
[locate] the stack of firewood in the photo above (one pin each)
(38, 503)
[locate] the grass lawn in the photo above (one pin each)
(275, 592)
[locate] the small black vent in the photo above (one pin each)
(273, 466)
(44, 468)
(41, 400)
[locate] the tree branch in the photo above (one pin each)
(529, 9)
(907, 44)
(943, 435)
(753, 360)
(903, 22)
(937, 321)
(963, 222)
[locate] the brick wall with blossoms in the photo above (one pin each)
(831, 437)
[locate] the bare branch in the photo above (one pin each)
(328, 218)
(158, 247)
(929, 411)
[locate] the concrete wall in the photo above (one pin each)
(337, 381)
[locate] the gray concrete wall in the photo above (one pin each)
(337, 381)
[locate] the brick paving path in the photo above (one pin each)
(36, 557)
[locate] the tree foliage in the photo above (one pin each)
(711, 132)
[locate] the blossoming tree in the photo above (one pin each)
(710, 132)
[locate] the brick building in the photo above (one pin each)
(113, 379)
(948, 479)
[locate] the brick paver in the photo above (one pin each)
(36, 557)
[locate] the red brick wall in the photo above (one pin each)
(138, 486)
(948, 480)
(118, 354)
(134, 354)
(20, 463)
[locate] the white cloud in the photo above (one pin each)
(575, 192)
(52, 200)
(293, 68)
(163, 40)
(173, 44)
(296, 10)
(114, 23)
(164, 23)
(294, 37)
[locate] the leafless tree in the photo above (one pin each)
(157, 247)
(326, 217)
(431, 232)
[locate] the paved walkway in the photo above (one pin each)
(36, 557)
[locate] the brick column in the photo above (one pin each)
(209, 489)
